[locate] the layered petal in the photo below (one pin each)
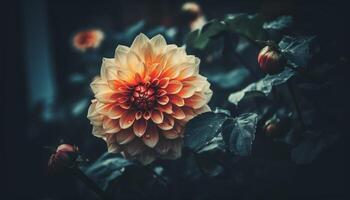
(144, 97)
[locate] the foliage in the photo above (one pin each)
(223, 146)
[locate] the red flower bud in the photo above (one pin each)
(271, 60)
(271, 129)
(63, 159)
(276, 127)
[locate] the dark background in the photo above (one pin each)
(34, 68)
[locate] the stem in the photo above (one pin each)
(304, 74)
(199, 164)
(296, 105)
(241, 60)
(90, 183)
(159, 177)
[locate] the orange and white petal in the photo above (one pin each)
(99, 85)
(175, 149)
(178, 113)
(139, 43)
(125, 136)
(163, 83)
(108, 68)
(140, 127)
(115, 111)
(174, 87)
(188, 68)
(147, 115)
(176, 100)
(170, 134)
(167, 124)
(167, 108)
(106, 97)
(187, 91)
(135, 147)
(174, 58)
(203, 109)
(111, 125)
(112, 145)
(118, 86)
(127, 119)
(120, 55)
(163, 146)
(157, 116)
(98, 131)
(163, 100)
(146, 157)
(135, 63)
(158, 43)
(151, 137)
(199, 81)
(198, 100)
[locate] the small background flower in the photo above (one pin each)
(88, 39)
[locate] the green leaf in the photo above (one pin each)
(239, 133)
(308, 150)
(298, 50)
(106, 169)
(229, 79)
(279, 23)
(264, 86)
(200, 38)
(250, 26)
(202, 129)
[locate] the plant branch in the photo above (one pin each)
(90, 183)
(296, 105)
(159, 177)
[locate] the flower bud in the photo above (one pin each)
(63, 159)
(271, 60)
(276, 126)
(272, 128)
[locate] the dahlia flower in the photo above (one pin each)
(88, 39)
(144, 96)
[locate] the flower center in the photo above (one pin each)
(143, 96)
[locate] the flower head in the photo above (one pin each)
(88, 39)
(144, 97)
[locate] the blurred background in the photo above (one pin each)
(46, 77)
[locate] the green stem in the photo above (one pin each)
(296, 105)
(159, 177)
(304, 74)
(88, 182)
(195, 156)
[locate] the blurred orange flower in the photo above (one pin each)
(88, 39)
(195, 14)
(144, 97)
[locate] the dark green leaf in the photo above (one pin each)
(216, 143)
(248, 25)
(80, 107)
(239, 134)
(202, 129)
(199, 39)
(309, 149)
(297, 50)
(279, 23)
(232, 79)
(106, 169)
(263, 86)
